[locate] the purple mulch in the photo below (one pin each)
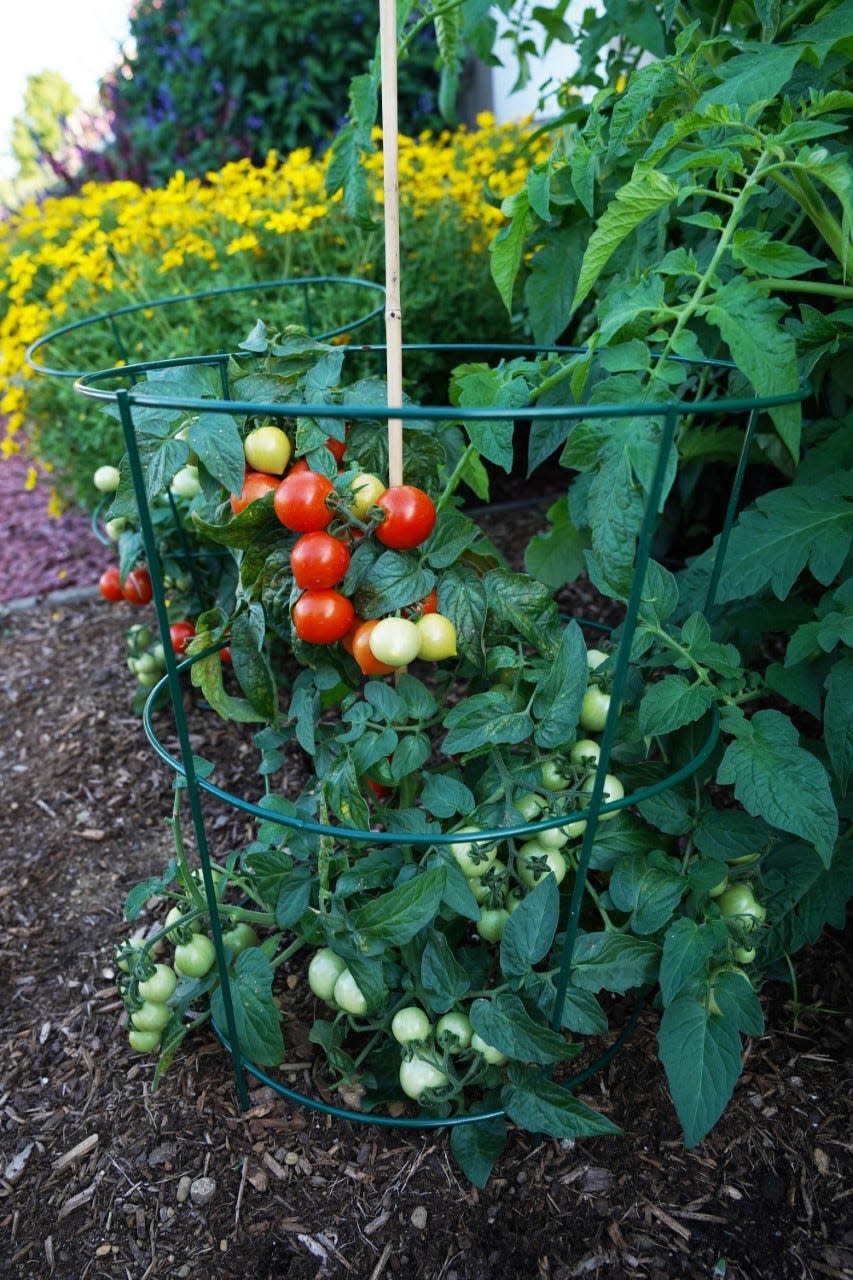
(40, 553)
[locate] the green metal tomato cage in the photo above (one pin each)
(98, 387)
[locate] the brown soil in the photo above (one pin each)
(102, 1180)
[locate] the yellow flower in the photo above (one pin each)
(31, 480)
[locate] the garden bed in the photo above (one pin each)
(102, 1179)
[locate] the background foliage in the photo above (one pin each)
(211, 82)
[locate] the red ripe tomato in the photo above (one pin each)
(255, 485)
(109, 584)
(297, 467)
(225, 655)
(322, 617)
(137, 586)
(180, 633)
(300, 501)
(337, 448)
(318, 560)
(363, 654)
(408, 517)
(429, 604)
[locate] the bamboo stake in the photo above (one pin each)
(391, 186)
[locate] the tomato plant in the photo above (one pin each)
(448, 903)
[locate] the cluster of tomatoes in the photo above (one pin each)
(147, 987)
(330, 524)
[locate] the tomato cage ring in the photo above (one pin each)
(667, 415)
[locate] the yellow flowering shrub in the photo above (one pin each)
(116, 244)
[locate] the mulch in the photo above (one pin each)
(101, 1179)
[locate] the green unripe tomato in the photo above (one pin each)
(195, 959)
(534, 861)
(366, 489)
(323, 972)
(348, 995)
(529, 806)
(418, 1075)
(151, 1017)
(739, 903)
(160, 986)
(594, 708)
(719, 889)
(613, 790)
(185, 483)
(474, 857)
(595, 658)
(713, 1007)
(438, 637)
(552, 837)
(115, 528)
(177, 917)
(453, 1031)
(240, 937)
(143, 1041)
(410, 1024)
(488, 1051)
(395, 641)
(585, 753)
(553, 778)
(106, 479)
(268, 449)
(744, 955)
(491, 923)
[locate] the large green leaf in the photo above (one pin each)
(786, 531)
(530, 930)
(539, 1105)
(751, 326)
(559, 693)
(701, 1054)
(505, 1024)
(397, 916)
(776, 779)
(838, 718)
(477, 1146)
(645, 193)
(256, 1016)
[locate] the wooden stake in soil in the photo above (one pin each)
(391, 186)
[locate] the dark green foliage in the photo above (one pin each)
(212, 82)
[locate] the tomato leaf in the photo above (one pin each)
(645, 193)
(443, 979)
(477, 1146)
(463, 601)
(555, 556)
(526, 607)
(140, 893)
(251, 664)
(803, 896)
(398, 915)
(701, 1054)
(215, 437)
(529, 932)
(484, 718)
(505, 1024)
(539, 1105)
(650, 889)
(443, 795)
(614, 961)
(671, 703)
(687, 947)
(776, 779)
(256, 1018)
(838, 718)
(560, 691)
